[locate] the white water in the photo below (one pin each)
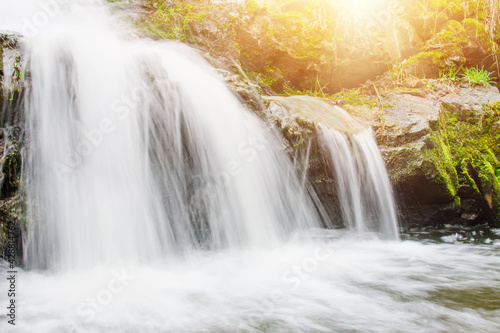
(363, 186)
(125, 209)
(138, 151)
(341, 285)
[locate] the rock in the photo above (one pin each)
(11, 141)
(407, 119)
(481, 49)
(470, 99)
(444, 50)
(486, 198)
(428, 16)
(249, 93)
(11, 217)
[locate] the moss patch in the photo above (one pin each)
(467, 153)
(477, 33)
(427, 64)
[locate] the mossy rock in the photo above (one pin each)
(466, 152)
(444, 50)
(427, 64)
(481, 50)
(451, 39)
(478, 35)
(429, 16)
(290, 46)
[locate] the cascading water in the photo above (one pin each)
(140, 160)
(139, 151)
(363, 185)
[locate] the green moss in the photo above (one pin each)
(426, 64)
(477, 33)
(450, 40)
(443, 51)
(464, 140)
(430, 15)
(442, 159)
(475, 9)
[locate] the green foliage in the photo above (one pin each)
(175, 19)
(477, 76)
(450, 74)
(317, 91)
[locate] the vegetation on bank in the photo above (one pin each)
(321, 47)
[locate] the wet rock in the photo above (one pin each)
(470, 99)
(407, 119)
(11, 215)
(12, 86)
(249, 93)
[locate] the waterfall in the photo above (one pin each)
(363, 185)
(158, 203)
(138, 152)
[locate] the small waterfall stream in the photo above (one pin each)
(351, 153)
(363, 185)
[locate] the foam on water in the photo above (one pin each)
(341, 285)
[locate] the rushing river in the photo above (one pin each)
(334, 282)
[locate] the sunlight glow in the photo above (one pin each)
(362, 3)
